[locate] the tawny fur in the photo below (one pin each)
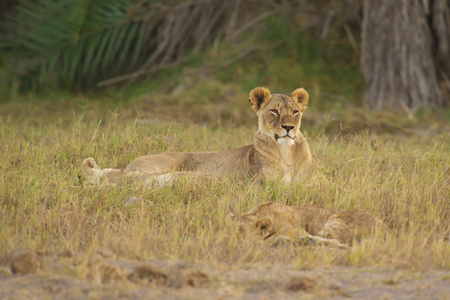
(280, 151)
(93, 174)
(332, 227)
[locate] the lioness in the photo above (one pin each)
(280, 151)
(299, 222)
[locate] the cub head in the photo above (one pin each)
(250, 223)
(279, 116)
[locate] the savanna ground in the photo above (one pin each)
(170, 242)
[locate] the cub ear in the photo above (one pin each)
(230, 219)
(302, 97)
(264, 224)
(258, 96)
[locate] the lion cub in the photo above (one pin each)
(299, 222)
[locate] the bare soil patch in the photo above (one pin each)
(103, 276)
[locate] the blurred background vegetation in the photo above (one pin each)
(204, 56)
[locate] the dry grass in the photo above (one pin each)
(44, 206)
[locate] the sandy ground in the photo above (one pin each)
(102, 276)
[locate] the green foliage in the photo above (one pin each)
(75, 43)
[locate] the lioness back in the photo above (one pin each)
(232, 162)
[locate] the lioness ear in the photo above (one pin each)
(264, 224)
(302, 97)
(258, 96)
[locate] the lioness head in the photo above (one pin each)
(279, 115)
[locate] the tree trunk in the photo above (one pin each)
(399, 53)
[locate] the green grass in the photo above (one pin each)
(403, 180)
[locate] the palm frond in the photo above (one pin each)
(75, 44)
(71, 43)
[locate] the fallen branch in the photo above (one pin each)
(254, 21)
(247, 52)
(238, 57)
(140, 73)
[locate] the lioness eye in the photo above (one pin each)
(274, 111)
(295, 112)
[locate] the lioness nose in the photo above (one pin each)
(287, 127)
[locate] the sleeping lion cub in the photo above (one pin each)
(280, 151)
(303, 222)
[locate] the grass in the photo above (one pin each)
(394, 166)
(402, 179)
